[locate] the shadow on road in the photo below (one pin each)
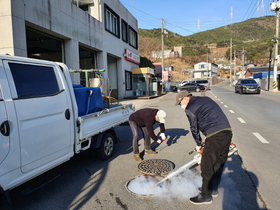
(174, 134)
(239, 187)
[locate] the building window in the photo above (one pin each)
(202, 66)
(112, 23)
(124, 31)
(133, 38)
(128, 80)
(84, 8)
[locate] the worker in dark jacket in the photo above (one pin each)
(206, 116)
(145, 119)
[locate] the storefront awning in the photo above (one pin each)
(143, 70)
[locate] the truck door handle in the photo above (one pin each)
(5, 128)
(67, 114)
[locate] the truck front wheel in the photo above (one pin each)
(105, 151)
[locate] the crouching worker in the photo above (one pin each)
(145, 119)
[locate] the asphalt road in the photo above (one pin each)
(250, 180)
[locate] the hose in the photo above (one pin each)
(88, 103)
(114, 101)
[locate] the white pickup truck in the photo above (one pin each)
(44, 120)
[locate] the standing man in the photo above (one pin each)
(145, 119)
(206, 116)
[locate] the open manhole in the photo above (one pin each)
(155, 167)
(153, 170)
(143, 185)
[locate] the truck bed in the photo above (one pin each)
(103, 120)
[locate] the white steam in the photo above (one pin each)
(182, 186)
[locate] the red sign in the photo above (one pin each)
(165, 75)
(132, 57)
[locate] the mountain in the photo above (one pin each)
(254, 36)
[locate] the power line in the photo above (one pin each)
(253, 10)
(247, 10)
(153, 21)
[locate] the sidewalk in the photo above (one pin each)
(139, 101)
(143, 97)
(145, 101)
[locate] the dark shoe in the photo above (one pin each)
(215, 193)
(201, 199)
(137, 157)
(150, 152)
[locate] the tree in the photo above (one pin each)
(145, 62)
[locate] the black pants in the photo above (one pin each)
(213, 159)
(147, 139)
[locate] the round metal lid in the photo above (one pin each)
(156, 166)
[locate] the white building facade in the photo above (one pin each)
(204, 70)
(83, 34)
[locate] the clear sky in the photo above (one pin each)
(186, 17)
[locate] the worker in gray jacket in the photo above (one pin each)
(206, 116)
(145, 119)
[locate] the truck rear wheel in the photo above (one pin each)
(105, 151)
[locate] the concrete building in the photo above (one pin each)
(158, 54)
(204, 70)
(176, 53)
(83, 34)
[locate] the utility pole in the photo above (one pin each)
(274, 84)
(162, 44)
(207, 65)
(230, 63)
(242, 71)
(269, 67)
(162, 55)
(234, 66)
(163, 32)
(275, 6)
(132, 3)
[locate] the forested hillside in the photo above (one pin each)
(253, 36)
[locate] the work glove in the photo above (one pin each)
(159, 141)
(199, 149)
(163, 137)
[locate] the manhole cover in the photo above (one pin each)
(156, 167)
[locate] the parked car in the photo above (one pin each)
(204, 83)
(183, 82)
(190, 87)
(247, 86)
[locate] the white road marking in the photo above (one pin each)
(241, 120)
(262, 139)
(226, 106)
(222, 102)
(231, 111)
